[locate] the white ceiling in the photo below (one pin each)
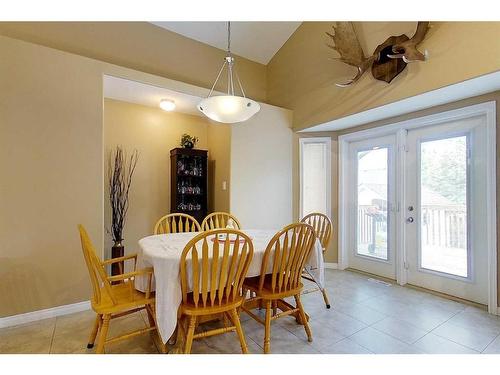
(148, 95)
(257, 41)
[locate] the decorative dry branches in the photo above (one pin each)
(120, 171)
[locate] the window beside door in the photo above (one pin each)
(315, 175)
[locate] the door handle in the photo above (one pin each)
(409, 220)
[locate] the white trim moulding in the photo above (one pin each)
(53, 312)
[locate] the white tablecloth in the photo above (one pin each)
(163, 253)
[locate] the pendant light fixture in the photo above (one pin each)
(228, 108)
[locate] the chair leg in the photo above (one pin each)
(151, 318)
(95, 329)
(325, 298)
(190, 334)
(267, 331)
(179, 337)
(303, 317)
(236, 321)
(275, 307)
(226, 320)
(104, 332)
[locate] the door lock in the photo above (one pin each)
(410, 208)
(409, 220)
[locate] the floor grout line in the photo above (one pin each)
(397, 338)
(439, 325)
(357, 343)
(497, 336)
(446, 338)
(372, 325)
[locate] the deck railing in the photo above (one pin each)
(443, 226)
(370, 223)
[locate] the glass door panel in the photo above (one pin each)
(443, 206)
(371, 199)
(372, 203)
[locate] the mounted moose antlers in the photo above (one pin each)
(387, 61)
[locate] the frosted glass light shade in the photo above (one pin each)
(228, 108)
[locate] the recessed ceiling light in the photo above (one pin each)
(167, 105)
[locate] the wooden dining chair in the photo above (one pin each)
(280, 277)
(176, 223)
(323, 229)
(217, 220)
(110, 300)
(212, 272)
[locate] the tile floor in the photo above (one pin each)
(366, 317)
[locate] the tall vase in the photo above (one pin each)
(117, 251)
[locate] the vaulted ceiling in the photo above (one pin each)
(257, 41)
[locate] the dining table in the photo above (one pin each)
(163, 253)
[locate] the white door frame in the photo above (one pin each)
(487, 109)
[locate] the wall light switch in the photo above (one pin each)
(224, 185)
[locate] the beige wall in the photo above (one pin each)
(51, 175)
(301, 75)
(261, 169)
(140, 46)
(219, 155)
(153, 133)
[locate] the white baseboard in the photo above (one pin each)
(33, 316)
(331, 266)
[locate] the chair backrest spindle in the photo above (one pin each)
(212, 270)
(322, 227)
(176, 223)
(219, 220)
(285, 257)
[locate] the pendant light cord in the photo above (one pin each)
(231, 69)
(229, 37)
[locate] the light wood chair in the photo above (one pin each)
(212, 274)
(176, 223)
(323, 229)
(218, 220)
(110, 300)
(280, 277)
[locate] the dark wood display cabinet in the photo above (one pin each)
(189, 182)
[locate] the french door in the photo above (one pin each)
(416, 205)
(445, 204)
(372, 229)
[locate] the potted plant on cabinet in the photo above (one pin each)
(188, 141)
